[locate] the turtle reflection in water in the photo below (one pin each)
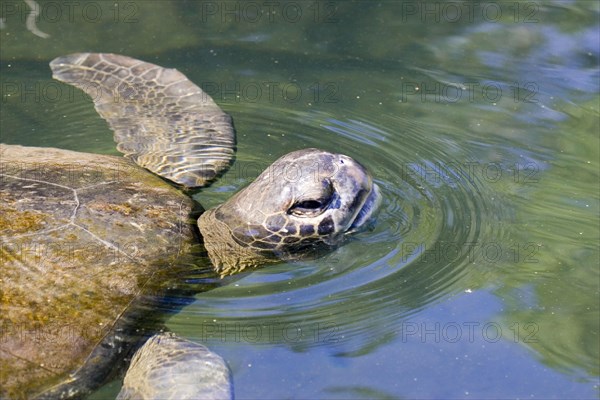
(84, 236)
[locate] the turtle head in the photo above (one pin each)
(306, 201)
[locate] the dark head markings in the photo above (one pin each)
(326, 226)
(306, 230)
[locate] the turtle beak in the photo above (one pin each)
(367, 211)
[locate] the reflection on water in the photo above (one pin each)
(480, 278)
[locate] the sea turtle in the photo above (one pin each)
(84, 237)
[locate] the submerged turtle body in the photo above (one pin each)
(81, 237)
(84, 236)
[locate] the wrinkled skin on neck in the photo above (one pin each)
(306, 201)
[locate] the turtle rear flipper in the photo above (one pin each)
(160, 119)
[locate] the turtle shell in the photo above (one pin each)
(81, 237)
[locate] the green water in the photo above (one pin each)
(480, 122)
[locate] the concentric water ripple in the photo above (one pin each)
(437, 220)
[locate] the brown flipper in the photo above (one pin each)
(160, 119)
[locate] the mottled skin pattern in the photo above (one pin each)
(169, 367)
(304, 202)
(160, 119)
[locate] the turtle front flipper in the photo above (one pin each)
(160, 119)
(170, 367)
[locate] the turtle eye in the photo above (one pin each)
(309, 208)
(314, 201)
(309, 204)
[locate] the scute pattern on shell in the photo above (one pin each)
(81, 236)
